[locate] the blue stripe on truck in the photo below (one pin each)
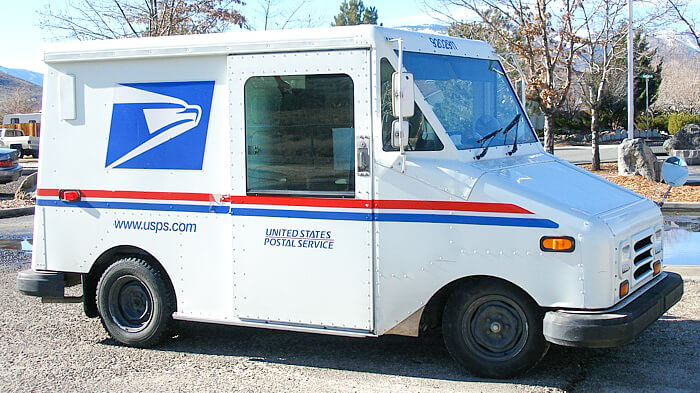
(400, 217)
(174, 207)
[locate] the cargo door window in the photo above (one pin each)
(421, 135)
(300, 135)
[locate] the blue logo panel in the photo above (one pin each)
(159, 125)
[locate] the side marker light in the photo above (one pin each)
(69, 195)
(624, 288)
(557, 244)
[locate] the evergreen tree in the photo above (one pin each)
(353, 12)
(614, 106)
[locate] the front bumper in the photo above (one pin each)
(618, 325)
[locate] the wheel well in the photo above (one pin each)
(431, 318)
(91, 278)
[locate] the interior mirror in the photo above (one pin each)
(402, 84)
(674, 171)
(399, 134)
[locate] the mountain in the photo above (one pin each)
(29, 76)
(673, 46)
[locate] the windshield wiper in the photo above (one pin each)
(481, 141)
(505, 131)
(512, 124)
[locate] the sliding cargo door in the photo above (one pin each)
(301, 213)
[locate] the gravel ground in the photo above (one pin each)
(645, 187)
(50, 347)
(7, 190)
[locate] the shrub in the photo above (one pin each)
(658, 122)
(676, 121)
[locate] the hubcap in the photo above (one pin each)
(495, 327)
(130, 303)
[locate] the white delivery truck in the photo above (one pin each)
(294, 180)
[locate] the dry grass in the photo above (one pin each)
(644, 187)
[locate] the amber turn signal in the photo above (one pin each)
(657, 267)
(557, 244)
(624, 288)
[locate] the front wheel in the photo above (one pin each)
(493, 329)
(135, 302)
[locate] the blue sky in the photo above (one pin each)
(22, 36)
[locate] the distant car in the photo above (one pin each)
(9, 169)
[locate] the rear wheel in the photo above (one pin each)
(493, 329)
(135, 302)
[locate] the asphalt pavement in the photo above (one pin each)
(584, 154)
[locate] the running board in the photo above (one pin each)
(277, 326)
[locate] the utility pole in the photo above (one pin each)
(630, 72)
(646, 94)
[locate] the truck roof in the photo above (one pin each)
(325, 38)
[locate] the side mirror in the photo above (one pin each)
(674, 171)
(402, 84)
(399, 134)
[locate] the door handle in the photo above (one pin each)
(363, 159)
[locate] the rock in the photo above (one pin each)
(27, 189)
(634, 157)
(688, 138)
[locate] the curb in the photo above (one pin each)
(589, 162)
(16, 212)
(681, 207)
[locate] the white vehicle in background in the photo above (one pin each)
(11, 138)
(293, 180)
(22, 118)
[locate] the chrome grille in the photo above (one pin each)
(643, 255)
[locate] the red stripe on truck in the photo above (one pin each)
(484, 207)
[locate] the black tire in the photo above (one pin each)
(135, 303)
(493, 329)
(35, 154)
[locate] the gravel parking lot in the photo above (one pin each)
(49, 347)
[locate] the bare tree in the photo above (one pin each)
(103, 19)
(21, 100)
(680, 87)
(544, 35)
(604, 32)
(279, 15)
(680, 9)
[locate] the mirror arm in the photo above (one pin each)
(663, 199)
(402, 151)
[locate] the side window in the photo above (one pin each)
(421, 135)
(300, 134)
(14, 120)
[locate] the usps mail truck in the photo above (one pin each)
(354, 181)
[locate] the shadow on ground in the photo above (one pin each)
(426, 357)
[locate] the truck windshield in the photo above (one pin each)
(471, 97)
